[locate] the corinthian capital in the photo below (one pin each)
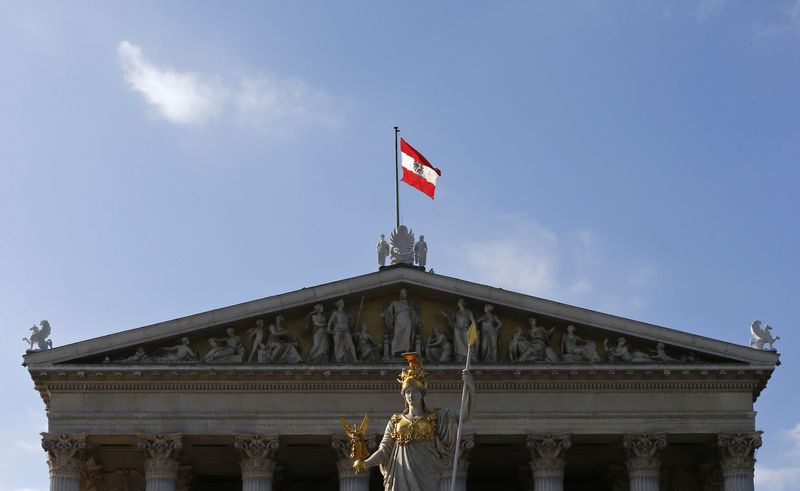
(256, 452)
(464, 454)
(548, 452)
(161, 454)
(736, 451)
(643, 452)
(66, 454)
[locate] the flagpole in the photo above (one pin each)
(396, 179)
(461, 414)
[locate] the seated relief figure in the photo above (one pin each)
(660, 354)
(620, 352)
(417, 439)
(574, 348)
(539, 338)
(520, 349)
(489, 326)
(180, 353)
(438, 349)
(317, 323)
(368, 349)
(227, 349)
(281, 346)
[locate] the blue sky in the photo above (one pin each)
(161, 159)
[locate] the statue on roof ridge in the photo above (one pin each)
(762, 336)
(402, 240)
(39, 337)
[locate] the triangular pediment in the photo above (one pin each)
(562, 334)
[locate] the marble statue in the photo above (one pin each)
(402, 250)
(317, 323)
(417, 439)
(459, 322)
(489, 328)
(39, 337)
(368, 349)
(520, 349)
(421, 252)
(573, 348)
(383, 250)
(539, 338)
(621, 352)
(180, 353)
(281, 346)
(256, 338)
(227, 349)
(344, 351)
(439, 349)
(139, 356)
(402, 322)
(762, 336)
(660, 354)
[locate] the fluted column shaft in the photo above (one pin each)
(66, 455)
(161, 460)
(737, 459)
(548, 458)
(643, 459)
(258, 467)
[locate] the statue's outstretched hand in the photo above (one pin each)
(359, 466)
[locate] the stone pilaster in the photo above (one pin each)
(258, 467)
(548, 460)
(643, 459)
(348, 479)
(464, 454)
(161, 460)
(737, 459)
(66, 455)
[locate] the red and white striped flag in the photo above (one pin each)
(417, 171)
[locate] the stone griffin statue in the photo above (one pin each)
(762, 336)
(402, 240)
(39, 337)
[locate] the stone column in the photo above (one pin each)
(66, 455)
(643, 459)
(257, 464)
(736, 456)
(548, 460)
(161, 460)
(348, 479)
(467, 444)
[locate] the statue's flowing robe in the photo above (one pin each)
(343, 348)
(321, 343)
(461, 321)
(403, 318)
(416, 465)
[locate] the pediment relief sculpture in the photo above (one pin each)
(332, 333)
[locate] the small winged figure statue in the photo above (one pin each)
(762, 336)
(358, 447)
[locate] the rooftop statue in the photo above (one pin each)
(39, 337)
(383, 250)
(762, 337)
(402, 250)
(421, 252)
(417, 439)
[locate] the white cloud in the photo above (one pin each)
(526, 256)
(707, 9)
(266, 103)
(785, 475)
(179, 97)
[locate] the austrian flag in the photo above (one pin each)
(417, 171)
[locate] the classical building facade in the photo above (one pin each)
(250, 396)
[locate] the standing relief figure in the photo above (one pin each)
(402, 322)
(382, 250)
(574, 348)
(256, 338)
(344, 351)
(459, 322)
(316, 322)
(489, 327)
